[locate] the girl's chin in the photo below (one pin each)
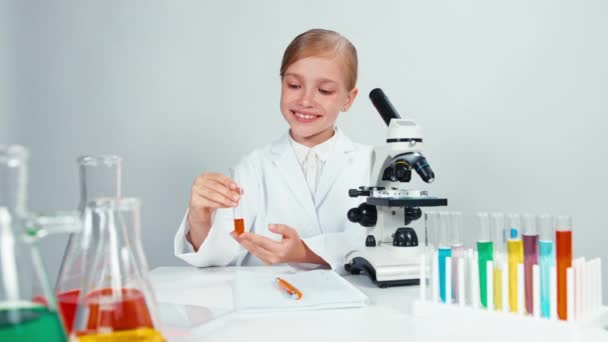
(309, 132)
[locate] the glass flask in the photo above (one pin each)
(28, 310)
(100, 177)
(116, 301)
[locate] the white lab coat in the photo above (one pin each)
(275, 191)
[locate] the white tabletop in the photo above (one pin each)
(207, 293)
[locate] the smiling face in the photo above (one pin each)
(313, 93)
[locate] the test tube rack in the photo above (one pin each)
(459, 317)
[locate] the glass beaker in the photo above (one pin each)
(116, 300)
(100, 177)
(27, 308)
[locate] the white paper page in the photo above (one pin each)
(321, 289)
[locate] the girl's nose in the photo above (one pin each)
(307, 98)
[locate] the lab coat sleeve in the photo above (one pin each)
(219, 248)
(332, 247)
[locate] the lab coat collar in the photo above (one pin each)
(284, 156)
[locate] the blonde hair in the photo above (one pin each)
(323, 43)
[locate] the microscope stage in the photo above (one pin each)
(408, 201)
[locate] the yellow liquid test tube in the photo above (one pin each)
(498, 288)
(515, 250)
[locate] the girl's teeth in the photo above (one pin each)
(305, 116)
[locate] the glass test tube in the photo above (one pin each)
(239, 221)
(457, 250)
(431, 228)
(484, 254)
(563, 257)
(443, 251)
(497, 223)
(530, 242)
(545, 250)
(515, 254)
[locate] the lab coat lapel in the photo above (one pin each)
(338, 159)
(284, 158)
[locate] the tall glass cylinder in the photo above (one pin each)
(546, 257)
(485, 252)
(563, 258)
(99, 177)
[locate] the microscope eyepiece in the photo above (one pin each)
(383, 105)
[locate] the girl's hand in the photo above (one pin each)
(290, 249)
(209, 192)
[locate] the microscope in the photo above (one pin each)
(390, 254)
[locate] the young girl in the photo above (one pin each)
(295, 190)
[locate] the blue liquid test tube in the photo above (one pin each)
(546, 260)
(443, 251)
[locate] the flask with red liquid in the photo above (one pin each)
(100, 177)
(115, 300)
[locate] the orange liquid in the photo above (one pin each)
(239, 225)
(563, 256)
(127, 312)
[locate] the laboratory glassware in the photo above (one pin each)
(116, 300)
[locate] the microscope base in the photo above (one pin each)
(386, 265)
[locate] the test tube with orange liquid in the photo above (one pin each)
(563, 258)
(239, 221)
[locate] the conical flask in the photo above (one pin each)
(100, 177)
(116, 301)
(22, 275)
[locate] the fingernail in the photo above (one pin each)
(236, 197)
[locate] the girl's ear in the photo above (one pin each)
(349, 99)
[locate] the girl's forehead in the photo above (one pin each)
(328, 68)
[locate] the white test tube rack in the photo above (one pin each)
(586, 314)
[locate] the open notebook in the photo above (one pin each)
(321, 289)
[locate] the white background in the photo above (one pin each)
(511, 96)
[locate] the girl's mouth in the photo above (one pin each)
(303, 117)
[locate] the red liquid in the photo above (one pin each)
(563, 256)
(129, 311)
(67, 303)
(239, 225)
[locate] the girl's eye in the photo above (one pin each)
(293, 85)
(325, 92)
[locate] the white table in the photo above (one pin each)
(387, 318)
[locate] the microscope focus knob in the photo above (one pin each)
(365, 214)
(405, 237)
